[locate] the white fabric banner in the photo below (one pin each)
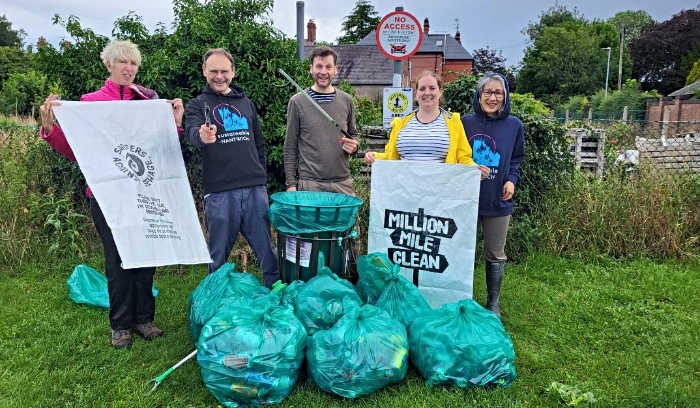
(423, 215)
(130, 156)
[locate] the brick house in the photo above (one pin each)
(369, 71)
(680, 105)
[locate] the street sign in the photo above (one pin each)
(398, 102)
(399, 35)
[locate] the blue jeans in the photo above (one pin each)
(243, 210)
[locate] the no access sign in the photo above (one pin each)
(399, 35)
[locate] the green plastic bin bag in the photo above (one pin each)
(219, 290)
(381, 284)
(373, 270)
(365, 351)
(252, 354)
(402, 299)
(289, 294)
(88, 286)
(320, 301)
(462, 344)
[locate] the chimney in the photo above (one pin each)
(311, 32)
(426, 26)
(458, 37)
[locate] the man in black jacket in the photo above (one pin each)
(224, 124)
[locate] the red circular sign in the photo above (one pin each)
(399, 35)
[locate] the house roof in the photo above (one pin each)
(432, 43)
(688, 90)
(361, 65)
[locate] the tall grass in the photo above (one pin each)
(41, 210)
(649, 213)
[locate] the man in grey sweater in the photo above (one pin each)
(316, 154)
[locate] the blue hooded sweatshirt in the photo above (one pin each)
(497, 142)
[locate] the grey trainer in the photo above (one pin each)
(121, 338)
(148, 330)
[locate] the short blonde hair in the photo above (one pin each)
(120, 50)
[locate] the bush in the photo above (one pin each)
(40, 210)
(23, 92)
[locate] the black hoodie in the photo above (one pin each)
(237, 158)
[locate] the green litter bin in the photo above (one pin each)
(309, 222)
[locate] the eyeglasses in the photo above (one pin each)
(216, 72)
(488, 93)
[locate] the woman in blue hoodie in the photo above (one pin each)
(498, 142)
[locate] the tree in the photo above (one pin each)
(659, 50)
(565, 56)
(689, 60)
(555, 16)
(12, 59)
(487, 60)
(360, 22)
(632, 21)
(567, 60)
(8, 36)
(694, 74)
(22, 91)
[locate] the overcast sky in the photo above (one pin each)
(496, 24)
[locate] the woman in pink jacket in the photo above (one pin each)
(131, 301)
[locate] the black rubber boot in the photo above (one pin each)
(494, 278)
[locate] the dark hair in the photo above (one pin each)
(323, 52)
(219, 51)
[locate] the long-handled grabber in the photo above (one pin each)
(313, 102)
(158, 380)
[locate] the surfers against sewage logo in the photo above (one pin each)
(133, 161)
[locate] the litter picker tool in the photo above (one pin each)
(313, 102)
(207, 116)
(158, 380)
(243, 253)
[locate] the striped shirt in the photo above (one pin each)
(321, 98)
(427, 142)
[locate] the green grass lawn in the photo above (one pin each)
(628, 332)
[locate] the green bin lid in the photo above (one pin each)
(299, 212)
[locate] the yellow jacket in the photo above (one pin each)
(459, 151)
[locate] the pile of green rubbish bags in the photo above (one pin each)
(253, 342)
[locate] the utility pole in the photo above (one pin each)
(619, 68)
(607, 72)
(397, 80)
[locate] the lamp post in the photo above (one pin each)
(607, 72)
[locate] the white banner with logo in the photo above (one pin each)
(424, 216)
(130, 156)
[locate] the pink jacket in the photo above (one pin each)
(110, 92)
